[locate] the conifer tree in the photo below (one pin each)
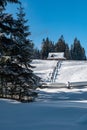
(6, 29)
(24, 47)
(16, 52)
(67, 53)
(77, 51)
(60, 46)
(36, 53)
(47, 46)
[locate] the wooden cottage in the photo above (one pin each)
(56, 56)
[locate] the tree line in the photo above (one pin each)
(75, 52)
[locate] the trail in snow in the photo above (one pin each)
(44, 69)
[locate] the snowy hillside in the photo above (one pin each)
(44, 68)
(73, 71)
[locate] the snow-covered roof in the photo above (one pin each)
(57, 55)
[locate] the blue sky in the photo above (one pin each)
(53, 18)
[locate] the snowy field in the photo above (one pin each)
(44, 68)
(73, 71)
(54, 115)
(54, 108)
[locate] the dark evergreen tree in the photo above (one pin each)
(16, 52)
(36, 54)
(47, 46)
(60, 46)
(83, 54)
(23, 46)
(77, 51)
(6, 29)
(52, 46)
(67, 53)
(25, 51)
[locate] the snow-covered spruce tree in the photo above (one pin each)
(15, 75)
(6, 23)
(22, 53)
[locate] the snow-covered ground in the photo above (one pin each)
(73, 71)
(54, 108)
(44, 68)
(54, 115)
